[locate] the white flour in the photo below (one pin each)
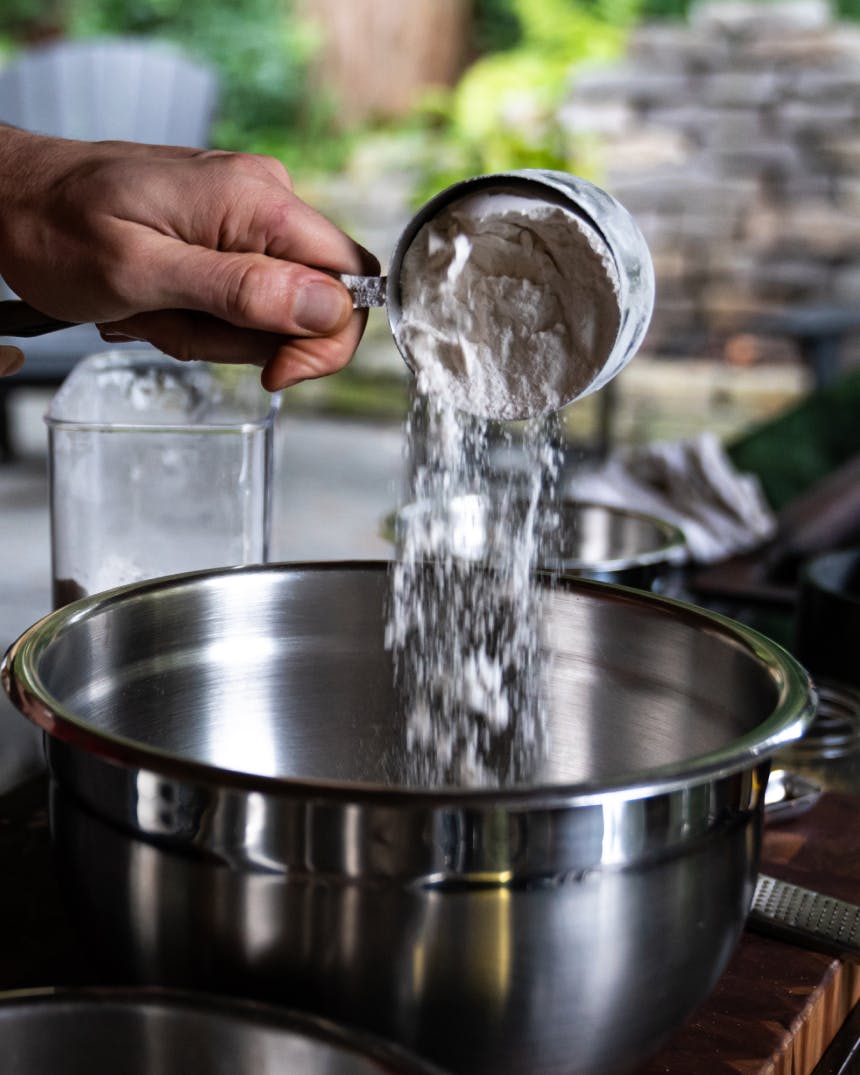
(510, 305)
(510, 308)
(466, 641)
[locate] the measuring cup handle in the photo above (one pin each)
(18, 318)
(366, 291)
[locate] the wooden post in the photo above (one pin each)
(380, 56)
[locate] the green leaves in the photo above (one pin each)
(503, 114)
(260, 49)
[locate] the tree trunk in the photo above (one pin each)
(380, 56)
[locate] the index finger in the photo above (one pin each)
(283, 226)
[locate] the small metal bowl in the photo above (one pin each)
(597, 541)
(159, 1032)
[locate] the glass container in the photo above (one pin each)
(156, 467)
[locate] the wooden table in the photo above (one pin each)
(778, 1007)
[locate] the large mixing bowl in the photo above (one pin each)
(146, 1032)
(594, 541)
(230, 812)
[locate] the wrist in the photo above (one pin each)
(22, 170)
(16, 158)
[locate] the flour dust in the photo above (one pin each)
(464, 620)
(510, 309)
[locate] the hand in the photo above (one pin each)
(203, 254)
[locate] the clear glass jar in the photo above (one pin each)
(156, 467)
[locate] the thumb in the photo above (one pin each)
(252, 291)
(11, 360)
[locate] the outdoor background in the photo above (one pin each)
(730, 129)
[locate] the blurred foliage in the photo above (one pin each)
(28, 20)
(502, 114)
(262, 53)
(259, 50)
(504, 111)
(665, 9)
(495, 26)
(799, 447)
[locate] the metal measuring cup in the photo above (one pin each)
(611, 229)
(612, 233)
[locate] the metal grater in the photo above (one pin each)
(805, 917)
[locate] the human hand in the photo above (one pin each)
(203, 254)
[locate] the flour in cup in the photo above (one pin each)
(510, 305)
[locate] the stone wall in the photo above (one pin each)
(735, 141)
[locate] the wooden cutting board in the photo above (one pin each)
(777, 1006)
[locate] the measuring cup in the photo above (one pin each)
(606, 228)
(605, 225)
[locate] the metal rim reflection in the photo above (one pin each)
(789, 718)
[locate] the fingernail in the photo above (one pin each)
(11, 360)
(320, 307)
(283, 383)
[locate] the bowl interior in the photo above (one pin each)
(283, 672)
(598, 534)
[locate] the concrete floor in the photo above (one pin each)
(334, 483)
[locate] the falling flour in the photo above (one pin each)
(464, 610)
(510, 308)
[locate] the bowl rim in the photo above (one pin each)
(792, 714)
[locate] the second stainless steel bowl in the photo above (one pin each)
(230, 812)
(592, 541)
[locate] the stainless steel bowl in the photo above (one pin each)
(595, 541)
(148, 1032)
(230, 812)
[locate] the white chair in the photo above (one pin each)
(131, 89)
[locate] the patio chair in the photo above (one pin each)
(108, 88)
